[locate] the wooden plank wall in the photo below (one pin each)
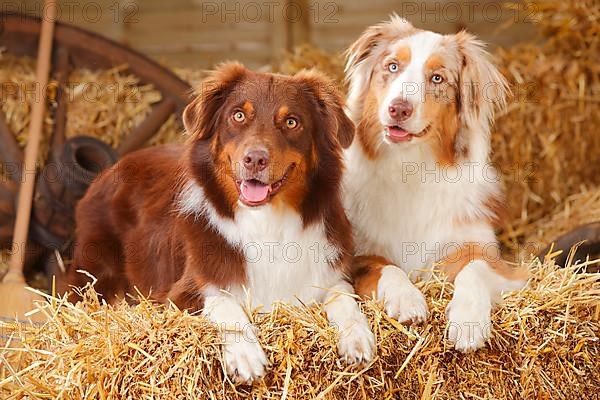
(336, 24)
(101, 16)
(200, 33)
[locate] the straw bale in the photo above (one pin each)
(546, 345)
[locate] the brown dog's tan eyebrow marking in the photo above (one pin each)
(434, 62)
(403, 54)
(283, 111)
(248, 108)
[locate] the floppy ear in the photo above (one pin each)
(482, 88)
(201, 115)
(331, 106)
(363, 53)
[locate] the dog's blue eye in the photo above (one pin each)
(437, 79)
(239, 116)
(393, 67)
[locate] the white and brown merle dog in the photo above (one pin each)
(419, 188)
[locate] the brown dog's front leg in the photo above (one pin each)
(186, 294)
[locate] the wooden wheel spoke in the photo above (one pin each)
(62, 69)
(148, 127)
(11, 155)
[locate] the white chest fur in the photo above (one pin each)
(285, 261)
(404, 207)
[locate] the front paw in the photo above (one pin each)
(401, 299)
(245, 360)
(469, 322)
(356, 343)
(407, 305)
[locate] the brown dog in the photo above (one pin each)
(249, 208)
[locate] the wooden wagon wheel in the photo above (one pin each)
(587, 235)
(75, 48)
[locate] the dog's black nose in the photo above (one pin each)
(400, 110)
(256, 160)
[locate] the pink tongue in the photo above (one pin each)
(397, 132)
(254, 191)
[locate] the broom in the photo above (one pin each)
(17, 300)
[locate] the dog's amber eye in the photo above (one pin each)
(239, 116)
(393, 67)
(437, 79)
(291, 123)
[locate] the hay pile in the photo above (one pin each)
(106, 104)
(547, 145)
(307, 56)
(17, 82)
(547, 345)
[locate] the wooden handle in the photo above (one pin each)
(33, 141)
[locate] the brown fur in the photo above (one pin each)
(368, 130)
(403, 55)
(129, 230)
(453, 263)
(367, 271)
(499, 210)
(442, 134)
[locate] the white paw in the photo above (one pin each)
(401, 299)
(245, 360)
(469, 323)
(407, 305)
(356, 343)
